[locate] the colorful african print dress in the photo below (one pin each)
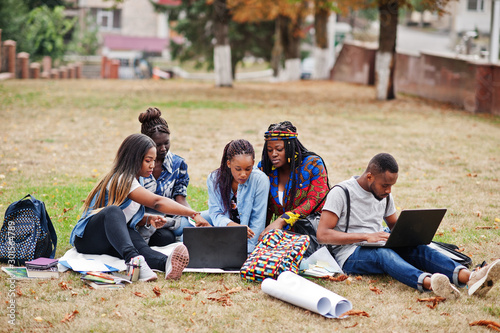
(312, 186)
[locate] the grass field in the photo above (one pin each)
(58, 138)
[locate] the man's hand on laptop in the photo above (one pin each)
(376, 237)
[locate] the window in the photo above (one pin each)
(107, 19)
(475, 5)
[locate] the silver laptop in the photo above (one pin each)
(222, 248)
(413, 227)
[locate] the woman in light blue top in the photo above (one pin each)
(238, 192)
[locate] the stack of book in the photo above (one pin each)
(44, 268)
(100, 280)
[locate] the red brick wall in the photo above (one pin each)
(472, 86)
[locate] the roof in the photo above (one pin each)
(168, 2)
(150, 44)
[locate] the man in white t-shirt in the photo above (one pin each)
(419, 267)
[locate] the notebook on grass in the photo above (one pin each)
(413, 227)
(216, 249)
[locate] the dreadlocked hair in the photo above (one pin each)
(152, 122)
(295, 153)
(223, 177)
(126, 166)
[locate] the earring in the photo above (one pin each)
(289, 160)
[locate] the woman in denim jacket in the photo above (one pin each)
(238, 192)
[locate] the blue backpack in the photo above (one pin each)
(27, 232)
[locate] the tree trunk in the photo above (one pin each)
(385, 62)
(277, 51)
(290, 33)
(321, 50)
(222, 50)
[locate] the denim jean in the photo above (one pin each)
(409, 265)
(184, 223)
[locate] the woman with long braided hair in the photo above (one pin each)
(298, 177)
(170, 178)
(238, 191)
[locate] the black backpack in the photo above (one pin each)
(27, 232)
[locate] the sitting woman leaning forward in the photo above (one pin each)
(115, 208)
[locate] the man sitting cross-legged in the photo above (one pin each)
(419, 267)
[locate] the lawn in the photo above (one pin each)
(57, 138)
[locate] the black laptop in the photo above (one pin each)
(222, 248)
(413, 227)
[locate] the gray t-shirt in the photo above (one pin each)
(367, 213)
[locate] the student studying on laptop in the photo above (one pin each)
(419, 267)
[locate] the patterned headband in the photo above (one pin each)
(279, 135)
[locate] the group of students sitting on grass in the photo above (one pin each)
(141, 202)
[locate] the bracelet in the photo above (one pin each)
(194, 214)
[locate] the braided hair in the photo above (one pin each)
(295, 153)
(223, 177)
(152, 122)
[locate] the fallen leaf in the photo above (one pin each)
(138, 294)
(231, 291)
(483, 227)
(358, 313)
(434, 300)
(187, 291)
(69, 316)
(157, 291)
(63, 285)
(188, 298)
(224, 300)
(376, 290)
(488, 323)
(339, 278)
(38, 319)
(355, 324)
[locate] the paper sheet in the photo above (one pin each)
(322, 257)
(117, 263)
(294, 289)
(86, 265)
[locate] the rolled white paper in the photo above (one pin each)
(296, 290)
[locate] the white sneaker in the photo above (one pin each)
(482, 280)
(176, 262)
(145, 274)
(441, 286)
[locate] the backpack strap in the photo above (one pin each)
(348, 198)
(52, 231)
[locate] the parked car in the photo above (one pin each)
(307, 68)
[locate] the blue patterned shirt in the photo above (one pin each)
(173, 180)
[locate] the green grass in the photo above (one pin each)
(57, 138)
